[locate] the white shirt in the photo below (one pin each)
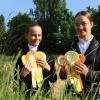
(33, 48)
(84, 44)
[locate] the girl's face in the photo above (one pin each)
(34, 35)
(83, 26)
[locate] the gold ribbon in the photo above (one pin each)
(37, 71)
(71, 57)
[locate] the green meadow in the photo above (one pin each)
(9, 88)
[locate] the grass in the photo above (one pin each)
(9, 88)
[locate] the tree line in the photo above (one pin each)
(56, 21)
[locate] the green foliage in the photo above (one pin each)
(54, 19)
(96, 29)
(2, 33)
(96, 18)
(10, 89)
(16, 32)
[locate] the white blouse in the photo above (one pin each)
(33, 48)
(84, 44)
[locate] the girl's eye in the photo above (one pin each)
(83, 24)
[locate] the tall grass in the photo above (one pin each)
(9, 88)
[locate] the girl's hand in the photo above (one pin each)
(81, 68)
(27, 69)
(28, 66)
(43, 63)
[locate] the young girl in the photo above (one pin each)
(86, 44)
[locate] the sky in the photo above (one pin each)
(78, 5)
(10, 8)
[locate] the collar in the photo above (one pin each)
(33, 48)
(92, 47)
(85, 41)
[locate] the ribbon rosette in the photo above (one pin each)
(37, 75)
(68, 60)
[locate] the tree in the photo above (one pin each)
(56, 22)
(96, 18)
(2, 33)
(16, 32)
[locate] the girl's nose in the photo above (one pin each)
(80, 26)
(37, 37)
